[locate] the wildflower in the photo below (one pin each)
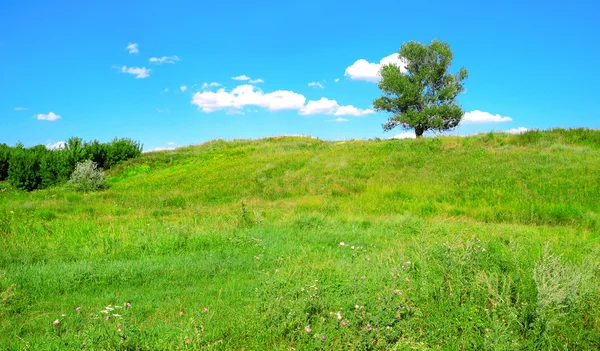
(91, 315)
(277, 271)
(368, 327)
(339, 316)
(323, 337)
(341, 243)
(407, 280)
(307, 328)
(78, 309)
(406, 263)
(356, 307)
(368, 258)
(393, 269)
(388, 327)
(486, 310)
(119, 325)
(116, 315)
(483, 250)
(363, 277)
(451, 294)
(126, 304)
(63, 315)
(109, 308)
(344, 323)
(56, 322)
(352, 247)
(181, 313)
(107, 317)
(104, 311)
(205, 310)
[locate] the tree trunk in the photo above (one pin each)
(419, 132)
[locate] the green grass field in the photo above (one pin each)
(489, 242)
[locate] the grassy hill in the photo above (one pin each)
(489, 242)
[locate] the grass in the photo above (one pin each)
(487, 242)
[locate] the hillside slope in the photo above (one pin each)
(482, 242)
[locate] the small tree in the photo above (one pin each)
(87, 177)
(422, 94)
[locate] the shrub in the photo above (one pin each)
(87, 177)
(120, 150)
(4, 157)
(24, 168)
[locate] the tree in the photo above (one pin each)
(422, 94)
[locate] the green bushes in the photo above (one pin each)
(38, 168)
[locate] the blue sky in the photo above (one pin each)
(531, 64)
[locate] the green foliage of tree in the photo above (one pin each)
(421, 95)
(4, 157)
(122, 149)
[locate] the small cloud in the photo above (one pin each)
(352, 111)
(171, 143)
(165, 91)
(483, 117)
(132, 48)
(159, 149)
(242, 77)
(139, 72)
(405, 135)
(368, 71)
(183, 88)
(209, 85)
(47, 117)
(164, 110)
(316, 85)
(164, 59)
(517, 130)
(337, 80)
(20, 108)
(59, 145)
(339, 119)
(254, 81)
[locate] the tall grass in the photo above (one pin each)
(487, 243)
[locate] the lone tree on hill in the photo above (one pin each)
(422, 94)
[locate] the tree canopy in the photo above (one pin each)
(422, 94)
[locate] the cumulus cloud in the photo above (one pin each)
(20, 108)
(250, 80)
(242, 77)
(368, 71)
(405, 135)
(517, 130)
(352, 111)
(209, 85)
(183, 88)
(132, 48)
(339, 119)
(325, 106)
(483, 117)
(59, 145)
(316, 85)
(171, 143)
(248, 95)
(139, 72)
(164, 59)
(337, 80)
(47, 117)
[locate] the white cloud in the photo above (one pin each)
(49, 117)
(242, 77)
(171, 143)
(164, 59)
(20, 108)
(337, 80)
(165, 91)
(132, 48)
(483, 117)
(248, 95)
(316, 85)
(405, 135)
(59, 145)
(208, 85)
(183, 88)
(517, 130)
(164, 110)
(365, 70)
(139, 72)
(323, 106)
(339, 119)
(250, 80)
(352, 111)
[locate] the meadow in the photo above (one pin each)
(487, 242)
